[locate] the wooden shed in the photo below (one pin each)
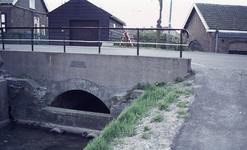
(82, 13)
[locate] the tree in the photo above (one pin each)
(159, 23)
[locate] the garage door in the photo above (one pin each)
(84, 34)
(238, 48)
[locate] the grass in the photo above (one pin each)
(187, 92)
(187, 84)
(146, 128)
(164, 106)
(145, 136)
(182, 114)
(158, 118)
(182, 104)
(126, 123)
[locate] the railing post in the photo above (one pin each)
(99, 40)
(2, 38)
(181, 42)
(32, 37)
(64, 46)
(137, 45)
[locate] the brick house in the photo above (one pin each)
(217, 28)
(24, 13)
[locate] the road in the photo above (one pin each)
(218, 116)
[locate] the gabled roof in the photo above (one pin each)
(13, 2)
(214, 17)
(82, 2)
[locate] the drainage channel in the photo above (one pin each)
(60, 129)
(20, 137)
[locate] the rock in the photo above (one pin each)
(56, 130)
(89, 135)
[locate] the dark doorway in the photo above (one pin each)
(195, 46)
(84, 34)
(80, 100)
(238, 52)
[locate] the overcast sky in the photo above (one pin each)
(145, 13)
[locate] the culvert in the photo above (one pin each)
(80, 100)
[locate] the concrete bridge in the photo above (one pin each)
(84, 82)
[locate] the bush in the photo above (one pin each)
(150, 37)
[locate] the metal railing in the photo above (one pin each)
(65, 40)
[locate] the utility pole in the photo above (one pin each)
(170, 20)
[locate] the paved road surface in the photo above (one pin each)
(218, 117)
(219, 114)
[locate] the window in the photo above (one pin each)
(3, 21)
(32, 4)
(36, 24)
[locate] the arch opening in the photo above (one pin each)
(195, 46)
(80, 100)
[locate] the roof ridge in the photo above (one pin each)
(221, 4)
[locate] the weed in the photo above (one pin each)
(164, 106)
(128, 93)
(146, 128)
(171, 97)
(141, 86)
(114, 98)
(145, 136)
(187, 84)
(182, 104)
(178, 91)
(24, 76)
(187, 91)
(160, 84)
(158, 118)
(182, 114)
(151, 132)
(178, 79)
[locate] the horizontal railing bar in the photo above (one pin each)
(93, 28)
(81, 41)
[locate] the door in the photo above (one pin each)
(84, 34)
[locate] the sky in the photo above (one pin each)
(145, 13)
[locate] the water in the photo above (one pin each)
(16, 137)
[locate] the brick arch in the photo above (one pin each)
(195, 46)
(96, 90)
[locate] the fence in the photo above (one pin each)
(92, 36)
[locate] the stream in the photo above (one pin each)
(18, 137)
